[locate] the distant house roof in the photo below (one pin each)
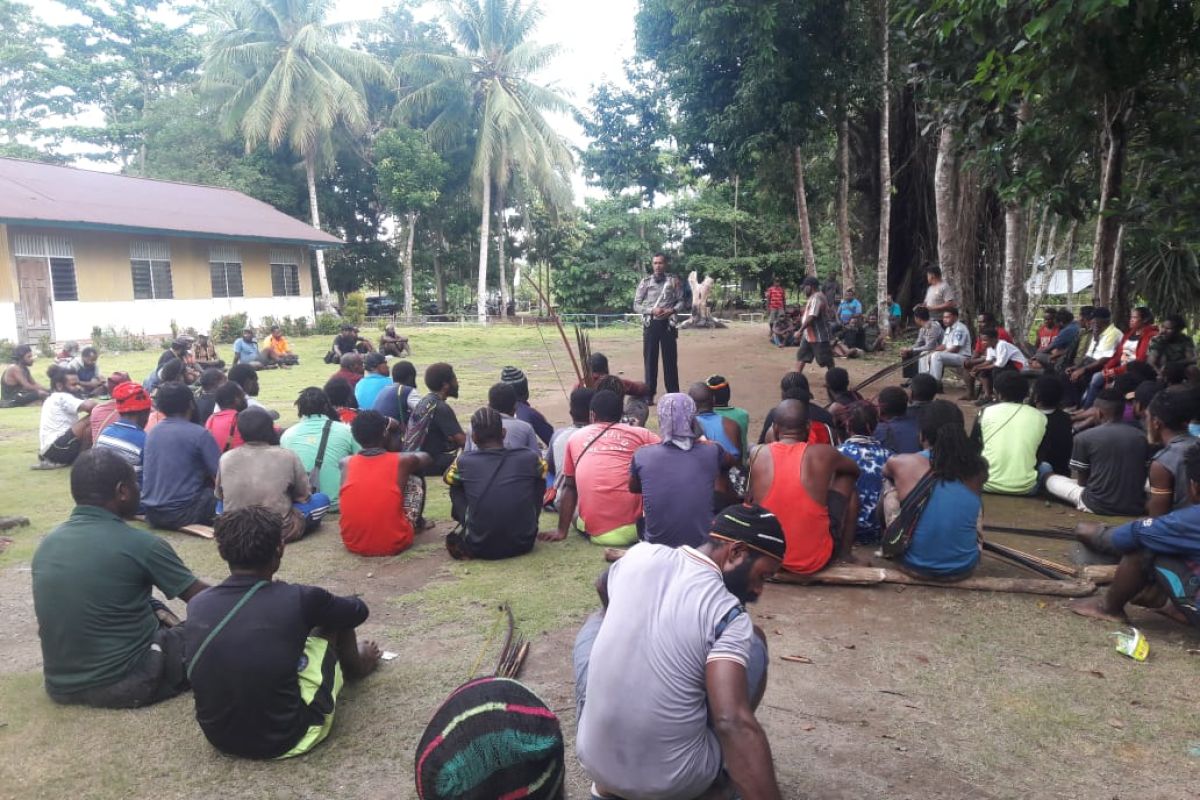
(46, 194)
(1081, 281)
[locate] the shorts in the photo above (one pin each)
(65, 449)
(321, 680)
(624, 536)
(1175, 579)
(158, 675)
(821, 351)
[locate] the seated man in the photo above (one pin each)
(525, 412)
(849, 308)
(351, 369)
(1101, 346)
(716, 428)
(17, 386)
(598, 366)
(954, 350)
(495, 492)
(320, 442)
(245, 376)
(865, 450)
(897, 431)
(343, 405)
(1010, 433)
(261, 473)
(841, 397)
(126, 436)
(63, 434)
(267, 657)
(1046, 333)
(1159, 560)
(103, 644)
(518, 435)
(105, 413)
(596, 478)
(246, 351)
(179, 464)
(397, 399)
(433, 426)
(669, 673)
(935, 495)
(87, 368)
(375, 376)
(1172, 345)
(794, 386)
(999, 356)
(381, 494)
(170, 371)
(721, 392)
(929, 336)
(1064, 344)
(222, 423)
(206, 401)
(922, 390)
(819, 511)
(1166, 425)
(1108, 463)
(783, 331)
(392, 344)
(279, 349)
(1057, 441)
(580, 404)
(674, 476)
(1133, 346)
(345, 343)
(205, 354)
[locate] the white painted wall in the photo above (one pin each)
(74, 320)
(8, 321)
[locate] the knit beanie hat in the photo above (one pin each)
(491, 738)
(516, 378)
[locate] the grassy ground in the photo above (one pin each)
(925, 693)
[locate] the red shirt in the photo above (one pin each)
(223, 427)
(1045, 337)
(372, 520)
(805, 522)
(776, 297)
(350, 377)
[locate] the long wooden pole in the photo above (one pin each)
(865, 576)
(561, 332)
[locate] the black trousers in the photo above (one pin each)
(660, 335)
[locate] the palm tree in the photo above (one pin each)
(284, 80)
(485, 91)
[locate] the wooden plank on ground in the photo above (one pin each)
(203, 531)
(850, 575)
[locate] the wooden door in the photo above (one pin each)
(33, 280)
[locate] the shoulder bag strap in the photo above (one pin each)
(587, 447)
(321, 447)
(221, 625)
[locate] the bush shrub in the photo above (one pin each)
(228, 328)
(113, 341)
(327, 324)
(354, 310)
(6, 352)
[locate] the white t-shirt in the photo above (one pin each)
(1104, 345)
(1005, 352)
(59, 413)
(644, 727)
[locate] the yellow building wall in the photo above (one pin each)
(102, 268)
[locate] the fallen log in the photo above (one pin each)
(850, 575)
(13, 522)
(1099, 574)
(1043, 566)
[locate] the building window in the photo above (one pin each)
(150, 263)
(285, 273)
(62, 276)
(225, 268)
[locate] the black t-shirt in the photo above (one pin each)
(504, 491)
(345, 343)
(245, 682)
(1055, 448)
(206, 405)
(815, 414)
(1114, 457)
(443, 426)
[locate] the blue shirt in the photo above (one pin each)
(870, 456)
(387, 402)
(530, 415)
(676, 485)
(901, 435)
(848, 310)
(126, 440)
(367, 388)
(245, 351)
(1066, 337)
(713, 425)
(945, 540)
(1177, 534)
(179, 460)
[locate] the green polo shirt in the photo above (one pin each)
(304, 439)
(92, 578)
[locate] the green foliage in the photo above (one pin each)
(410, 172)
(6, 351)
(354, 310)
(229, 328)
(27, 82)
(45, 346)
(289, 326)
(328, 324)
(111, 340)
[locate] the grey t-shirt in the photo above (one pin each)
(517, 435)
(939, 295)
(1171, 457)
(643, 730)
(1114, 457)
(264, 475)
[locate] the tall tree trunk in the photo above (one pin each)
(439, 277)
(501, 241)
(485, 220)
(843, 200)
(810, 259)
(736, 186)
(1049, 259)
(1069, 263)
(408, 266)
(945, 190)
(310, 173)
(1013, 291)
(885, 176)
(1108, 224)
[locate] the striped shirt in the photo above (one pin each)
(126, 440)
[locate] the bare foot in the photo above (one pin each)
(368, 658)
(613, 553)
(1094, 607)
(1170, 611)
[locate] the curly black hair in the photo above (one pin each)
(249, 538)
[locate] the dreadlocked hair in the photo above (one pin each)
(955, 457)
(860, 418)
(249, 537)
(488, 424)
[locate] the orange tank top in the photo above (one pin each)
(372, 518)
(805, 522)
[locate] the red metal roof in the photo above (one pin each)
(46, 194)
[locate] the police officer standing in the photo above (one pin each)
(659, 297)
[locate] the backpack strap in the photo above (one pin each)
(221, 625)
